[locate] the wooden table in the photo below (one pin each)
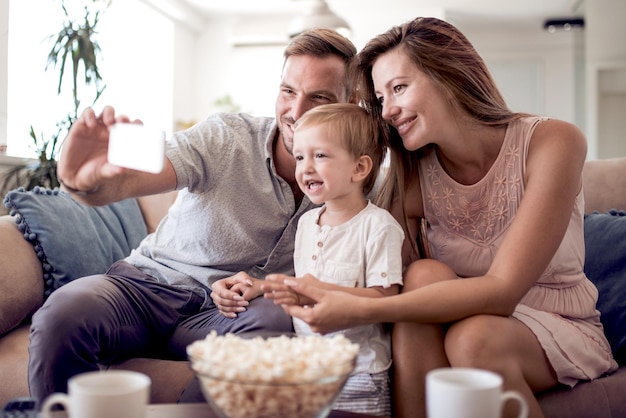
(200, 410)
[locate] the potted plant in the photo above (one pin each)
(74, 43)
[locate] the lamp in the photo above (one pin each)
(566, 24)
(318, 15)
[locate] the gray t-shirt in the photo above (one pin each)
(233, 212)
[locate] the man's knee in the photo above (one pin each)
(72, 303)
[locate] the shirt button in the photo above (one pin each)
(314, 257)
(320, 244)
(383, 274)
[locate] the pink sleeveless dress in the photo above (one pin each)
(466, 227)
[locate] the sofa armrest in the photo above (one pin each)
(21, 287)
(14, 364)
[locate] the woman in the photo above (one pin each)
(502, 196)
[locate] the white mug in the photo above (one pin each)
(468, 393)
(105, 394)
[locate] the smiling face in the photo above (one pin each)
(307, 82)
(411, 102)
(325, 169)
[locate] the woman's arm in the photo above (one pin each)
(556, 156)
(274, 288)
(553, 179)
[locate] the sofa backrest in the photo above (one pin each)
(604, 183)
(155, 207)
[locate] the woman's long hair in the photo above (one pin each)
(444, 54)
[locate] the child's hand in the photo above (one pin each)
(281, 294)
(275, 289)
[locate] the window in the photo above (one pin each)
(137, 67)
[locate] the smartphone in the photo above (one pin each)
(23, 407)
(136, 147)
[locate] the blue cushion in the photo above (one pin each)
(73, 240)
(605, 265)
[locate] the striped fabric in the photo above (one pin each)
(366, 394)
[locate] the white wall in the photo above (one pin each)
(4, 51)
(185, 73)
(537, 71)
(606, 77)
(242, 56)
(136, 66)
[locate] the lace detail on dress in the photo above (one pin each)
(479, 212)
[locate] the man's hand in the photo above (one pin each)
(83, 162)
(231, 295)
(85, 171)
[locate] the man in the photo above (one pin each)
(234, 221)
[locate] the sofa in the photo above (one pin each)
(49, 239)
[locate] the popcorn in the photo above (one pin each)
(272, 377)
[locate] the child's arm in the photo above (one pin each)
(282, 294)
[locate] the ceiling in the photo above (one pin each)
(462, 11)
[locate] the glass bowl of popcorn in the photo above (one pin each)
(271, 376)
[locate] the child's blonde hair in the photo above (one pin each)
(356, 129)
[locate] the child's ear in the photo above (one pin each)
(362, 168)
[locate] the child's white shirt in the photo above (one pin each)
(365, 251)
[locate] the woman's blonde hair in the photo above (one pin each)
(357, 131)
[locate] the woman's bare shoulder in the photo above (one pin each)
(558, 138)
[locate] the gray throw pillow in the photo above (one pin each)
(73, 240)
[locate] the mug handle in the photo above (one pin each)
(523, 406)
(54, 399)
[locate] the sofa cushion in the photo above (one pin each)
(605, 265)
(603, 397)
(73, 240)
